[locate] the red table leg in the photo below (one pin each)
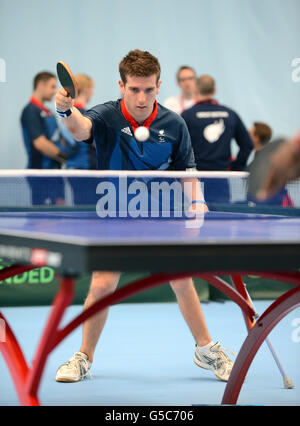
(61, 302)
(16, 363)
(27, 379)
(264, 325)
(240, 286)
(143, 284)
(10, 348)
(11, 271)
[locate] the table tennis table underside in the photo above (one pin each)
(209, 261)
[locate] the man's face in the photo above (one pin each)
(187, 81)
(47, 89)
(139, 95)
(255, 139)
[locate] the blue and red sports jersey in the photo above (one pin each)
(36, 120)
(168, 147)
(212, 127)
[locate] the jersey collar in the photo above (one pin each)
(208, 102)
(38, 104)
(132, 121)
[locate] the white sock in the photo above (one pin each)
(206, 348)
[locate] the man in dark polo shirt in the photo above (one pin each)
(40, 131)
(42, 139)
(212, 127)
(111, 126)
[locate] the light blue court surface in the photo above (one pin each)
(145, 357)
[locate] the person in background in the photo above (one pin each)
(212, 127)
(186, 80)
(82, 156)
(45, 147)
(42, 139)
(284, 167)
(260, 134)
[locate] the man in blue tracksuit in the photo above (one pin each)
(43, 142)
(41, 134)
(212, 127)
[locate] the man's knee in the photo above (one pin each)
(104, 283)
(182, 285)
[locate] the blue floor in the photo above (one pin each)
(145, 357)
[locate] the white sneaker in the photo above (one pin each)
(216, 360)
(75, 369)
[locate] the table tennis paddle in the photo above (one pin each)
(67, 79)
(259, 168)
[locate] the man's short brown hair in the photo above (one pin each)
(42, 76)
(263, 132)
(138, 63)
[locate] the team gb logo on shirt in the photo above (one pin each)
(213, 131)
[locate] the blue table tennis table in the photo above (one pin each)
(224, 243)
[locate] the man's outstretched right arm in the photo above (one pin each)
(79, 127)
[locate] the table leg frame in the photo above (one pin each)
(27, 379)
(264, 325)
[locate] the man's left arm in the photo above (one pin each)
(245, 144)
(184, 160)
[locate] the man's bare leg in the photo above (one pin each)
(191, 310)
(208, 355)
(103, 283)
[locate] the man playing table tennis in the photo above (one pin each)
(111, 126)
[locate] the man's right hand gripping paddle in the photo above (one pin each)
(65, 97)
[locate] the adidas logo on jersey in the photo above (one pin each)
(127, 131)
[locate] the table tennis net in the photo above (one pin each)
(137, 194)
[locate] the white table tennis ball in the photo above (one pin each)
(141, 134)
